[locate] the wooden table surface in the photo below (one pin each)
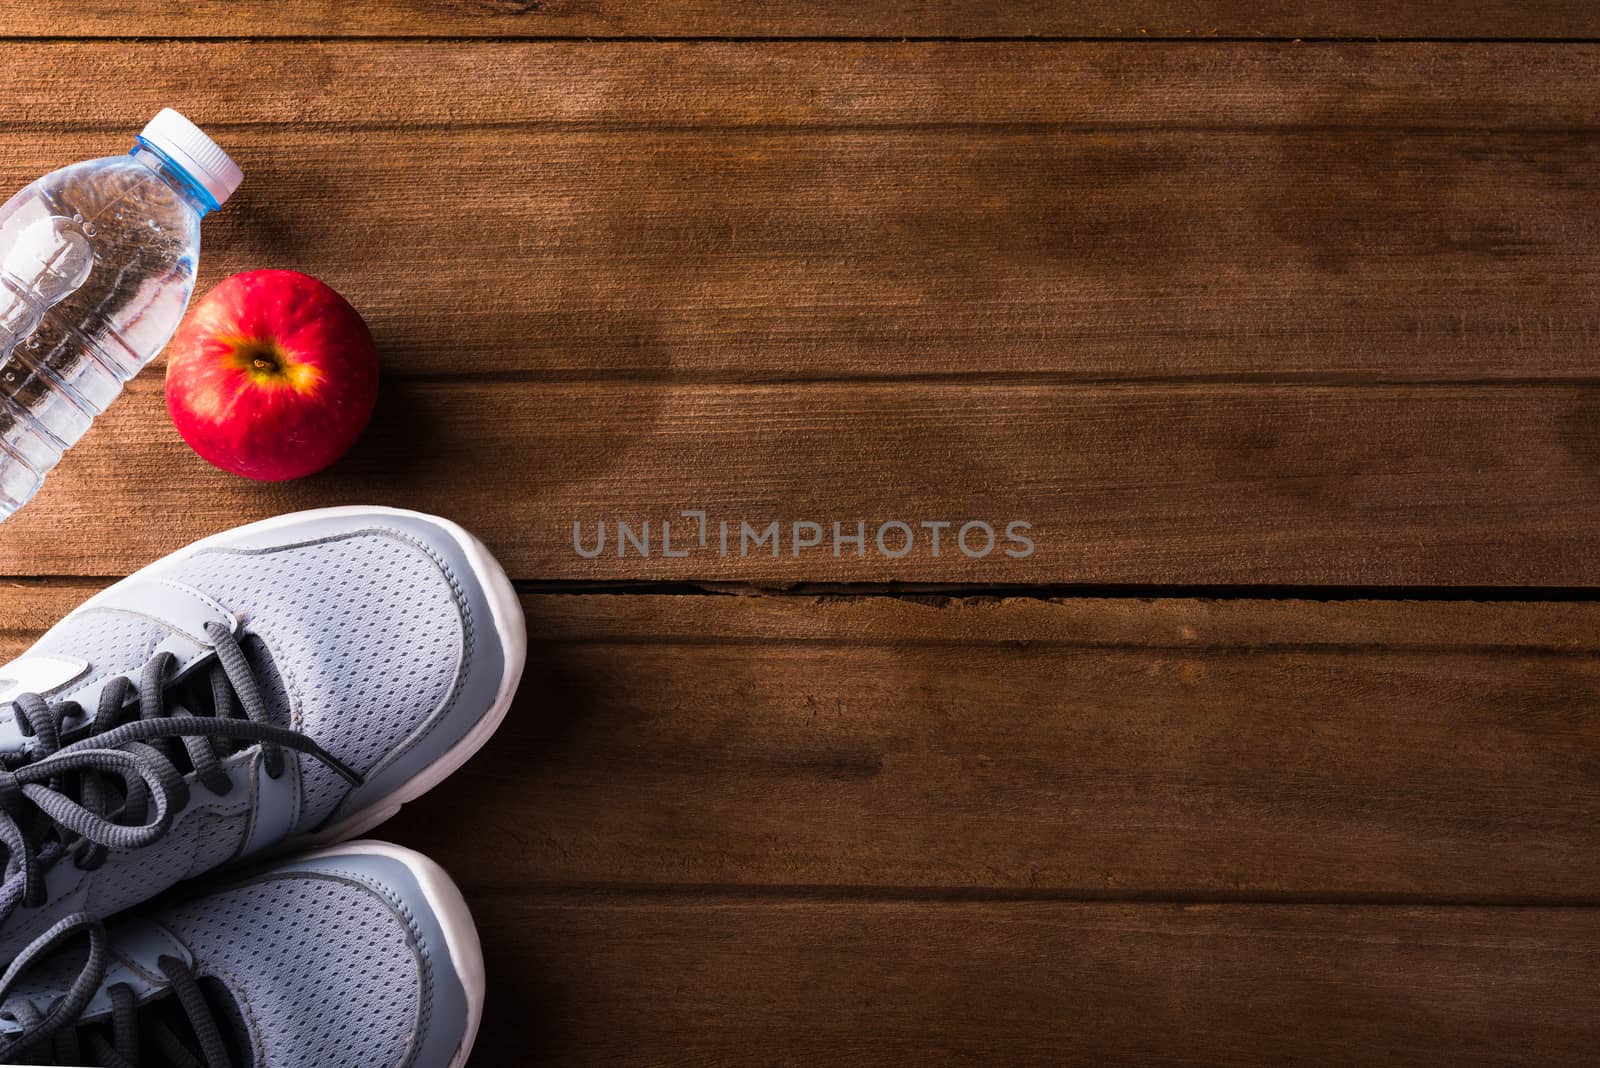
(1278, 324)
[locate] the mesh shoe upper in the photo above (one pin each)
(338, 960)
(368, 633)
(377, 637)
(324, 970)
(112, 643)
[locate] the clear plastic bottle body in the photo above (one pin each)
(97, 264)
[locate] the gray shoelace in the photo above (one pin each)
(98, 792)
(52, 1033)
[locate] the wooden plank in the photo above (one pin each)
(866, 18)
(28, 609)
(1353, 751)
(785, 84)
(730, 982)
(1374, 750)
(793, 211)
(1205, 484)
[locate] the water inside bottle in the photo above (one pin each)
(98, 266)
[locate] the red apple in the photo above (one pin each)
(272, 375)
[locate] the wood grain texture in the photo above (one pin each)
(1098, 86)
(795, 211)
(1202, 313)
(1350, 751)
(869, 18)
(1240, 313)
(1166, 485)
(624, 980)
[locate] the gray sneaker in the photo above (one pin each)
(357, 956)
(284, 685)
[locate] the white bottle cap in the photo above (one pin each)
(196, 153)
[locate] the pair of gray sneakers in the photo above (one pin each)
(265, 693)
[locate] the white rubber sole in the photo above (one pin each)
(455, 920)
(509, 624)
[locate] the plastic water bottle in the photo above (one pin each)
(97, 263)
